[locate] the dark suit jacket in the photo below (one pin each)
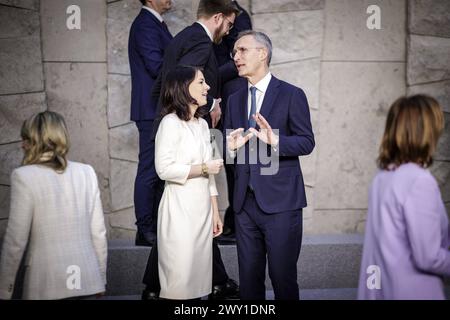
(147, 42)
(231, 82)
(192, 47)
(222, 50)
(285, 107)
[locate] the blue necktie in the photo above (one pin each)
(251, 121)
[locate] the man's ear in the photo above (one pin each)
(263, 54)
(217, 17)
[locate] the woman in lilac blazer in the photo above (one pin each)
(406, 243)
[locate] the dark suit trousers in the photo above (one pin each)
(147, 186)
(275, 238)
(229, 213)
(151, 275)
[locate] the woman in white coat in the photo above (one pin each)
(56, 211)
(188, 215)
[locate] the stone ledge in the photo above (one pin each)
(326, 261)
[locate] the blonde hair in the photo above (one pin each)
(413, 127)
(46, 140)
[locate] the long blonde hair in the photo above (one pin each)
(46, 140)
(413, 127)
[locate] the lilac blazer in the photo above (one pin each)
(406, 240)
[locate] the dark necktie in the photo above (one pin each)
(165, 25)
(251, 121)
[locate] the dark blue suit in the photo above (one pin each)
(147, 42)
(231, 82)
(269, 207)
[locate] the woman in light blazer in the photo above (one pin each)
(406, 246)
(56, 211)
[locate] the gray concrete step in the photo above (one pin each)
(326, 262)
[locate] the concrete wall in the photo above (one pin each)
(44, 65)
(350, 74)
(362, 72)
(428, 71)
(21, 85)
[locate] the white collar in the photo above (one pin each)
(263, 83)
(207, 30)
(156, 14)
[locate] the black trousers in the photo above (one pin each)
(229, 213)
(147, 186)
(151, 275)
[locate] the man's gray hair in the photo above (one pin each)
(261, 38)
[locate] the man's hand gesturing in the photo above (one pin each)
(235, 140)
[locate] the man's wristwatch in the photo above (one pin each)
(204, 170)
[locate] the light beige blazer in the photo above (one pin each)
(60, 217)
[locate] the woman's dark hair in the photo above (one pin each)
(175, 93)
(413, 127)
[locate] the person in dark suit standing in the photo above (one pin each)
(223, 49)
(231, 82)
(193, 46)
(268, 195)
(149, 36)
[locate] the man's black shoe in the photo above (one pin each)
(227, 291)
(147, 239)
(149, 295)
(227, 231)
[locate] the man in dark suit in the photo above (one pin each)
(268, 195)
(194, 46)
(148, 39)
(231, 82)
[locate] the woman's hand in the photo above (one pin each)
(217, 224)
(214, 166)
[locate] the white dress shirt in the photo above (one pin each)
(261, 88)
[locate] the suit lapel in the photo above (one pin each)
(157, 22)
(269, 97)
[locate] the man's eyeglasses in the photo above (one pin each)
(230, 24)
(242, 51)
